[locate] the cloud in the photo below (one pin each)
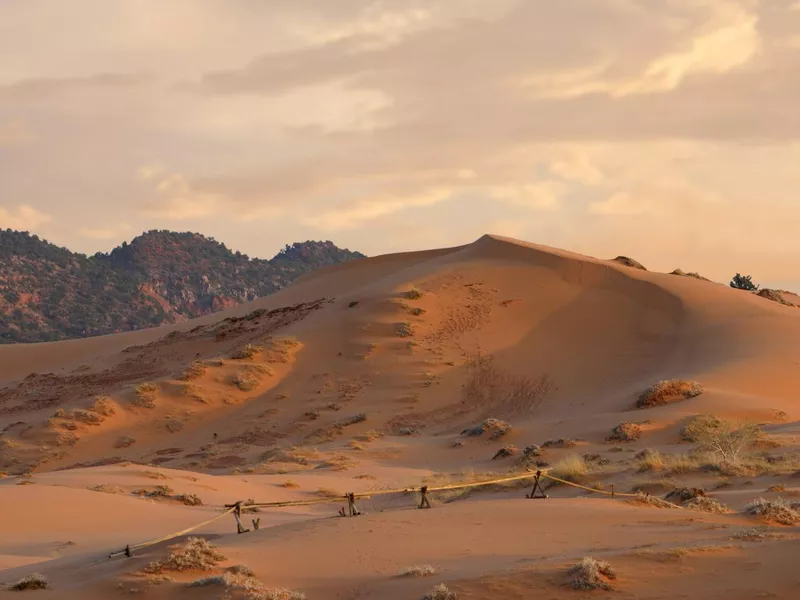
(23, 217)
(107, 233)
(542, 195)
(47, 86)
(174, 198)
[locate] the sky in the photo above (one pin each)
(664, 130)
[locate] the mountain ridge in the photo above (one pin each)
(49, 293)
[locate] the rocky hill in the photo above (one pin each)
(49, 293)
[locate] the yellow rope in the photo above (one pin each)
(456, 486)
(172, 535)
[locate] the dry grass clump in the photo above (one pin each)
(571, 468)
(196, 554)
(683, 273)
(289, 484)
(592, 574)
(146, 395)
(87, 417)
(775, 296)
(648, 500)
(404, 329)
(107, 489)
(560, 443)
(625, 432)
(667, 391)
(164, 491)
(248, 351)
(276, 594)
(418, 571)
(240, 570)
(414, 293)
(497, 428)
(194, 371)
(440, 592)
(34, 581)
(757, 534)
(777, 511)
(707, 504)
(369, 436)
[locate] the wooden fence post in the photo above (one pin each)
(351, 505)
(237, 514)
(537, 486)
(423, 501)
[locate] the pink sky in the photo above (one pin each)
(665, 130)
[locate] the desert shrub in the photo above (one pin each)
(440, 592)
(727, 441)
(244, 381)
(757, 534)
(417, 311)
(107, 489)
(592, 574)
(505, 452)
(560, 443)
(248, 351)
(34, 581)
(354, 420)
(194, 371)
(667, 391)
(683, 273)
(774, 296)
(276, 594)
(87, 416)
(778, 511)
(648, 500)
(700, 426)
(625, 432)
(414, 293)
(196, 554)
(497, 428)
(105, 406)
(404, 329)
(418, 571)
(240, 570)
(707, 504)
(570, 468)
(743, 282)
(146, 394)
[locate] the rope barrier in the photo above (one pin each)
(237, 507)
(128, 549)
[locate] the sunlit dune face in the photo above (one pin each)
(663, 130)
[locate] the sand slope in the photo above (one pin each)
(362, 376)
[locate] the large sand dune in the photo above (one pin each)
(364, 376)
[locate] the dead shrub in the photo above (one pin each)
(560, 443)
(418, 571)
(667, 391)
(625, 432)
(146, 395)
(34, 581)
(592, 574)
(196, 554)
(488, 385)
(404, 329)
(648, 500)
(246, 352)
(699, 427)
(505, 452)
(194, 371)
(245, 381)
(777, 511)
(497, 428)
(727, 440)
(707, 504)
(87, 417)
(414, 293)
(440, 592)
(105, 406)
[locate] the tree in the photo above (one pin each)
(743, 282)
(728, 440)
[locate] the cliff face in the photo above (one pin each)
(49, 293)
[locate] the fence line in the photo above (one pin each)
(350, 498)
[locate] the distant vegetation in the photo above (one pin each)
(48, 293)
(743, 282)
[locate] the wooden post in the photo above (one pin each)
(237, 514)
(537, 486)
(424, 502)
(256, 523)
(351, 505)
(128, 551)
(612, 490)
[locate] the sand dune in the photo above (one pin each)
(365, 376)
